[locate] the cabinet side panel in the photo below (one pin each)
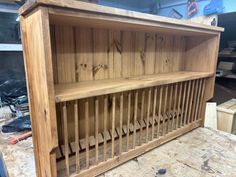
(37, 56)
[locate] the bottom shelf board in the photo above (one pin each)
(68, 92)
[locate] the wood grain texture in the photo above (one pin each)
(66, 92)
(39, 74)
(117, 12)
(66, 140)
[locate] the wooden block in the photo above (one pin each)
(82, 144)
(100, 138)
(91, 141)
(226, 116)
(58, 153)
(125, 129)
(211, 116)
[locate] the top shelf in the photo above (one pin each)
(68, 92)
(81, 13)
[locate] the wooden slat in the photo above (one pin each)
(127, 53)
(113, 126)
(154, 111)
(135, 118)
(183, 111)
(141, 119)
(128, 121)
(191, 102)
(164, 109)
(195, 100)
(77, 136)
(169, 112)
(139, 60)
(174, 106)
(96, 129)
(105, 128)
(187, 103)
(121, 123)
(198, 98)
(87, 132)
(159, 111)
(149, 47)
(202, 104)
(66, 92)
(66, 141)
(178, 122)
(148, 113)
(115, 54)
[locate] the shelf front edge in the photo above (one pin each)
(69, 92)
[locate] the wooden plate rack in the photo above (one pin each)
(106, 85)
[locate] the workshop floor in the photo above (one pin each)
(199, 153)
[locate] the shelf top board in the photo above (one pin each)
(68, 92)
(115, 12)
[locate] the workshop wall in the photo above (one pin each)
(11, 62)
(181, 7)
(166, 6)
(147, 6)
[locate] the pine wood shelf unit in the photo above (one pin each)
(106, 85)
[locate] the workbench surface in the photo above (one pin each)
(202, 152)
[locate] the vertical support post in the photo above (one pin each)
(105, 129)
(191, 101)
(170, 108)
(198, 98)
(113, 126)
(148, 113)
(174, 107)
(96, 129)
(194, 100)
(135, 118)
(77, 136)
(87, 132)
(121, 124)
(164, 110)
(128, 122)
(202, 102)
(178, 122)
(183, 112)
(66, 141)
(187, 103)
(141, 120)
(154, 111)
(159, 112)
